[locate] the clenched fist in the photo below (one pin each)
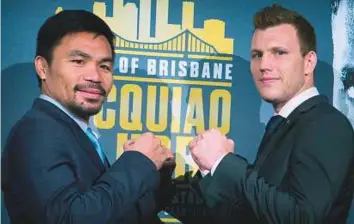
(208, 147)
(151, 147)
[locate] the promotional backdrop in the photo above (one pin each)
(180, 67)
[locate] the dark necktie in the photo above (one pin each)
(273, 124)
(271, 127)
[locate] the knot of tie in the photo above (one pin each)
(273, 123)
(96, 143)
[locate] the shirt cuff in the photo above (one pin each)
(213, 168)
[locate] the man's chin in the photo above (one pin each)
(86, 111)
(92, 106)
(92, 111)
(269, 97)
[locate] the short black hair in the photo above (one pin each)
(56, 27)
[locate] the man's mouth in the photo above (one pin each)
(92, 89)
(268, 79)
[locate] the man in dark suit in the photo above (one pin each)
(304, 170)
(53, 167)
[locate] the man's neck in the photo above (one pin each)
(72, 113)
(295, 101)
(280, 105)
(82, 122)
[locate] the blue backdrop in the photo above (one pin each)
(228, 101)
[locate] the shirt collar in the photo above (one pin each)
(297, 100)
(83, 125)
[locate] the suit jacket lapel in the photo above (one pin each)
(84, 141)
(106, 163)
(270, 144)
(89, 148)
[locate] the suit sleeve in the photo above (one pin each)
(41, 177)
(320, 162)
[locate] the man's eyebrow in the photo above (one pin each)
(256, 51)
(108, 59)
(74, 53)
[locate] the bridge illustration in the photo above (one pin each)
(185, 43)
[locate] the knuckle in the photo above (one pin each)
(157, 141)
(148, 134)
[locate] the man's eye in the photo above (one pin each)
(280, 52)
(106, 67)
(78, 61)
(257, 55)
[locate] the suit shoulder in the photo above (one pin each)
(326, 126)
(36, 121)
(331, 115)
(35, 130)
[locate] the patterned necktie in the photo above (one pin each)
(96, 143)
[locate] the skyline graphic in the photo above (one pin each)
(132, 24)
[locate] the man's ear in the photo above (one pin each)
(310, 62)
(41, 65)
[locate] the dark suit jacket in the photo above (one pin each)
(304, 174)
(51, 173)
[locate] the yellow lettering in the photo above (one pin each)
(165, 141)
(195, 107)
(161, 125)
(225, 97)
(176, 109)
(183, 159)
(98, 119)
(135, 123)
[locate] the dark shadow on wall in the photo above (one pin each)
(18, 90)
(324, 79)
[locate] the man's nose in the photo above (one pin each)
(266, 62)
(92, 74)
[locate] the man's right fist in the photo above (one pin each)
(151, 147)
